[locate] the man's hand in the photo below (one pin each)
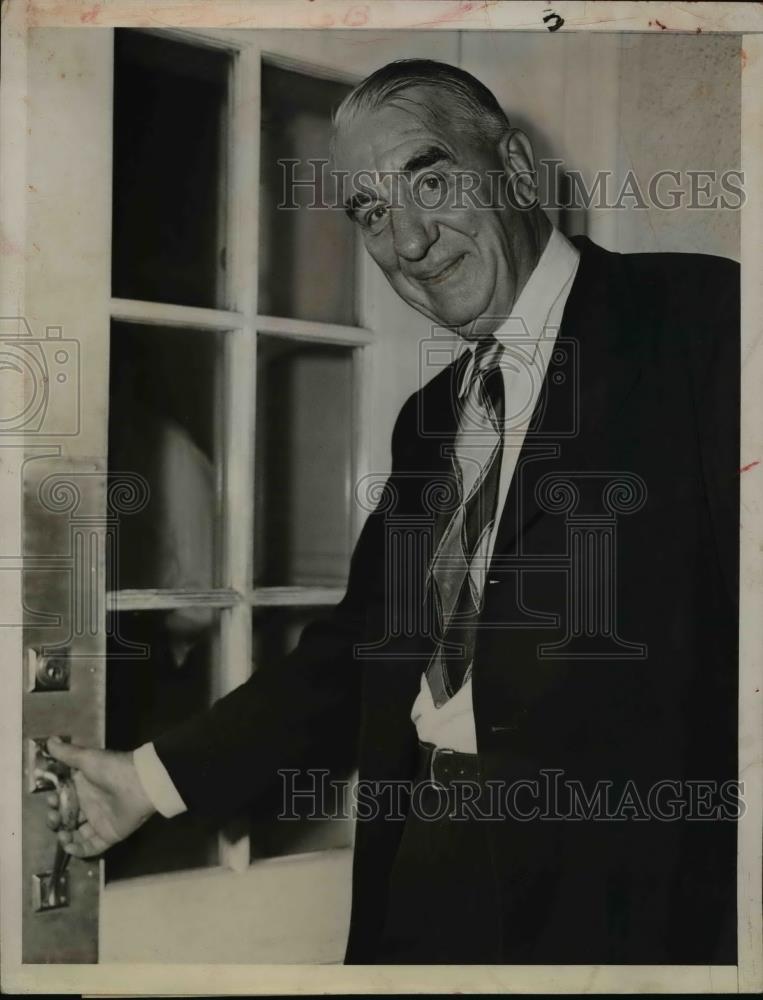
(112, 802)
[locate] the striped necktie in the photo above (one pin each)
(459, 564)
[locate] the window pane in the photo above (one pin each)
(170, 102)
(149, 690)
(307, 256)
(303, 465)
(276, 632)
(163, 426)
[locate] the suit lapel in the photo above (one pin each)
(593, 371)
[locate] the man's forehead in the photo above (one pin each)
(383, 138)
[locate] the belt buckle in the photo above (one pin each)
(435, 753)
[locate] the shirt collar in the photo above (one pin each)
(525, 324)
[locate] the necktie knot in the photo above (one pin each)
(484, 396)
(486, 353)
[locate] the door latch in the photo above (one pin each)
(41, 767)
(50, 889)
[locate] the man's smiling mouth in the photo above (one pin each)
(443, 274)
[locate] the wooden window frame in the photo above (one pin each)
(236, 596)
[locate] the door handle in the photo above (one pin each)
(51, 888)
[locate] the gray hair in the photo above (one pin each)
(472, 107)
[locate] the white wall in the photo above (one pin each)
(679, 110)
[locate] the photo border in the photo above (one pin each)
(747, 19)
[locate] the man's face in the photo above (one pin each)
(447, 256)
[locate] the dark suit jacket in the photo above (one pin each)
(643, 390)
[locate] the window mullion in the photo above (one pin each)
(239, 403)
(318, 332)
(167, 314)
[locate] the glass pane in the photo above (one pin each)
(307, 256)
(170, 104)
(163, 426)
(160, 670)
(276, 632)
(303, 464)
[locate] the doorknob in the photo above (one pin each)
(51, 888)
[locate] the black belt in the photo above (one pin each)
(443, 766)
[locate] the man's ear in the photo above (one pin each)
(516, 155)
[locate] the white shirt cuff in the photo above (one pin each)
(156, 782)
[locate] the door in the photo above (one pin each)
(220, 373)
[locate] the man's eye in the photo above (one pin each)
(375, 216)
(431, 188)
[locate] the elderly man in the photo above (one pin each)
(569, 650)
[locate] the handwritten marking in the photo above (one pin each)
(356, 17)
(551, 15)
(88, 16)
(751, 465)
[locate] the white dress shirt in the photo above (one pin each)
(528, 336)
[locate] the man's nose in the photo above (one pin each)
(414, 233)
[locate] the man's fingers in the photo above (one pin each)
(52, 799)
(87, 846)
(54, 819)
(85, 833)
(91, 841)
(64, 837)
(79, 851)
(67, 753)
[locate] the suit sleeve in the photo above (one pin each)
(300, 711)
